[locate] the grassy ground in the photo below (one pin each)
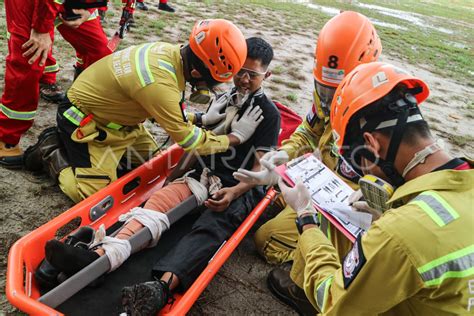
(291, 29)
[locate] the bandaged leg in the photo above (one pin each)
(156, 222)
(168, 197)
(198, 188)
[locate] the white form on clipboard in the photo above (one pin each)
(330, 194)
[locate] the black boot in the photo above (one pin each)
(55, 162)
(46, 275)
(77, 72)
(52, 92)
(67, 258)
(281, 285)
(165, 7)
(145, 298)
(48, 141)
(141, 6)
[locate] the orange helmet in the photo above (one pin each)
(375, 96)
(346, 41)
(362, 87)
(220, 45)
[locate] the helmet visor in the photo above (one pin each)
(325, 94)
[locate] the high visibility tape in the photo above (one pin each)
(113, 125)
(458, 264)
(74, 115)
(436, 207)
(169, 68)
(17, 115)
(192, 139)
(322, 292)
(51, 68)
(142, 65)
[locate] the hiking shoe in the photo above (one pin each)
(67, 258)
(141, 6)
(11, 156)
(52, 92)
(165, 7)
(281, 285)
(145, 298)
(48, 141)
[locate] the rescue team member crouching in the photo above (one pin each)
(227, 207)
(347, 40)
(102, 118)
(417, 259)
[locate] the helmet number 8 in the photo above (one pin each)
(332, 63)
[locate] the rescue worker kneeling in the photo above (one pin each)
(227, 201)
(417, 259)
(102, 118)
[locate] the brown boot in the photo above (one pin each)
(281, 285)
(52, 92)
(11, 156)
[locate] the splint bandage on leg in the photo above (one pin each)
(198, 189)
(157, 222)
(116, 250)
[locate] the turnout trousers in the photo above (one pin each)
(277, 241)
(95, 151)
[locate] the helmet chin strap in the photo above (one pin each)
(388, 164)
(403, 108)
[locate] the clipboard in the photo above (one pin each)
(282, 170)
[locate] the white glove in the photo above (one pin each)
(275, 157)
(213, 115)
(298, 198)
(357, 203)
(244, 127)
(266, 176)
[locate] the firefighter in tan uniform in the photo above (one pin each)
(345, 41)
(417, 259)
(101, 122)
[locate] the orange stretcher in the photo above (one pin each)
(104, 207)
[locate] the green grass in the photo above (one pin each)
(461, 140)
(278, 80)
(293, 85)
(292, 97)
(450, 9)
(277, 70)
(416, 45)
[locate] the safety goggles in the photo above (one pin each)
(325, 94)
(252, 73)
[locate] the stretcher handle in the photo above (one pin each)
(81, 279)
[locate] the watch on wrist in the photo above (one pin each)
(306, 220)
(198, 119)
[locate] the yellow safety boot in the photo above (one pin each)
(11, 156)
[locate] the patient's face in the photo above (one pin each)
(250, 77)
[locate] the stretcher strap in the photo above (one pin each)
(77, 282)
